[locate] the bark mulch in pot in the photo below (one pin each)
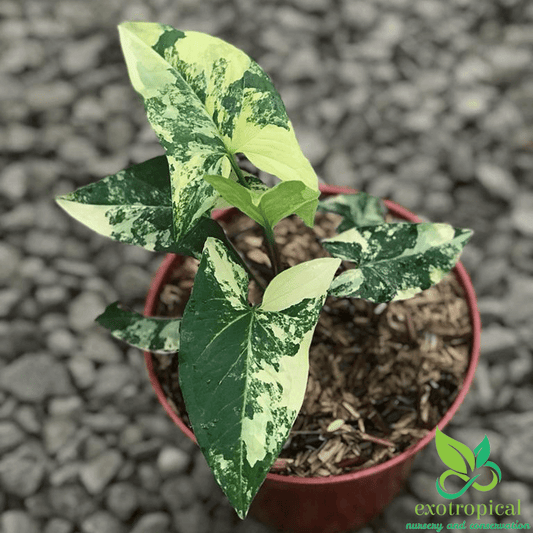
(381, 375)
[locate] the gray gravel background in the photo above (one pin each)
(426, 102)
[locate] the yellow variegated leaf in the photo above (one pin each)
(207, 101)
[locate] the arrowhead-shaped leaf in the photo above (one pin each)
(453, 453)
(134, 206)
(268, 207)
(161, 335)
(243, 370)
(482, 452)
(207, 100)
(395, 261)
(359, 209)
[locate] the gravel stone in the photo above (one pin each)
(178, 493)
(84, 309)
(34, 377)
(61, 342)
(98, 346)
(522, 214)
(497, 181)
(42, 244)
(122, 500)
(18, 522)
(71, 502)
(153, 523)
(509, 491)
(14, 182)
(70, 406)
(27, 418)
(10, 436)
(105, 422)
(82, 55)
(10, 258)
(172, 461)
(111, 379)
(498, 343)
(22, 471)
(50, 96)
(97, 474)
(519, 300)
(132, 281)
(9, 298)
(518, 457)
(58, 525)
(56, 432)
(192, 519)
(51, 296)
(83, 371)
(102, 522)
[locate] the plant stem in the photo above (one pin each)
(272, 249)
(238, 171)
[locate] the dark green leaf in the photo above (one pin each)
(359, 209)
(160, 335)
(482, 452)
(395, 261)
(243, 370)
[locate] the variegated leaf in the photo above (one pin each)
(395, 261)
(359, 209)
(207, 100)
(243, 370)
(268, 207)
(161, 335)
(134, 206)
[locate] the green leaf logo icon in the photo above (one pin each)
(455, 454)
(462, 463)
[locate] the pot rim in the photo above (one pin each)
(162, 277)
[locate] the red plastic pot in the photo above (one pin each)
(336, 503)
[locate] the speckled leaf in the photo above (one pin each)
(268, 207)
(161, 335)
(359, 209)
(134, 206)
(395, 261)
(243, 370)
(207, 100)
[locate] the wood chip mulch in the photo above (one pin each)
(381, 375)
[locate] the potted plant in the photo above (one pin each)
(243, 367)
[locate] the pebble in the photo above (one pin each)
(9, 298)
(35, 377)
(18, 522)
(498, 181)
(10, 436)
(14, 182)
(400, 512)
(43, 244)
(58, 525)
(177, 493)
(83, 310)
(45, 97)
(61, 342)
(71, 502)
(22, 470)
(498, 343)
(522, 214)
(82, 370)
(105, 422)
(509, 491)
(172, 461)
(153, 523)
(51, 296)
(110, 380)
(122, 500)
(102, 522)
(519, 300)
(97, 345)
(518, 456)
(82, 55)
(56, 432)
(98, 472)
(131, 281)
